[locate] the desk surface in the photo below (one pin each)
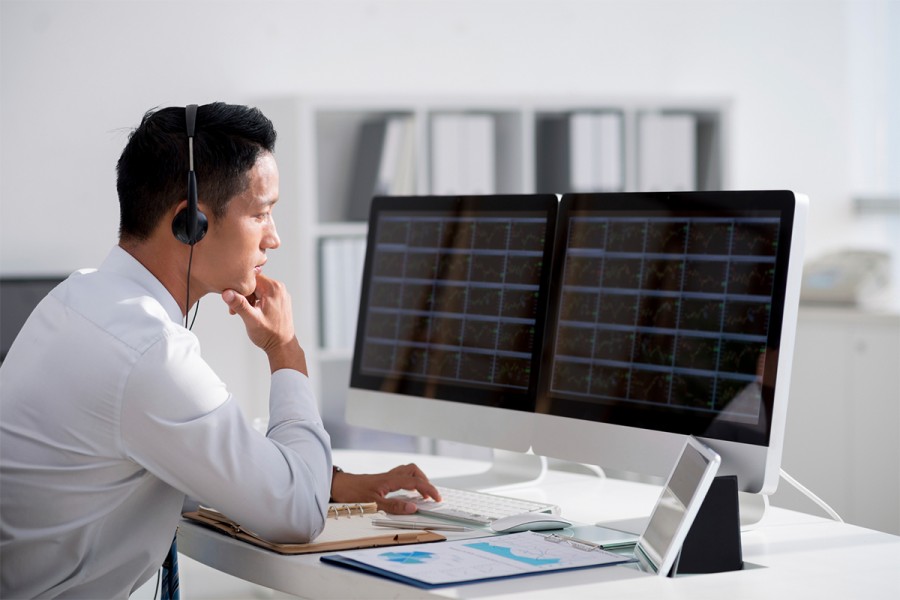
(789, 554)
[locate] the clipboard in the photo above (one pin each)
(347, 526)
(478, 560)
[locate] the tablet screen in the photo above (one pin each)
(677, 506)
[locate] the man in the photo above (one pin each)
(110, 417)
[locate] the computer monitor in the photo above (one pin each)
(451, 317)
(672, 314)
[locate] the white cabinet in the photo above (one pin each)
(843, 431)
(330, 150)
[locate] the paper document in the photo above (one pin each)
(460, 561)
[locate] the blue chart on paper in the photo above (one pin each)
(507, 553)
(459, 561)
(409, 558)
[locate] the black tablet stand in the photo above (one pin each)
(713, 544)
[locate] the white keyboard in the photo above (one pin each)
(477, 508)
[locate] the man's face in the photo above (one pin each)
(234, 250)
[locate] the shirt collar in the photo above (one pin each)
(122, 263)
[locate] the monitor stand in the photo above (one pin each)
(753, 509)
(508, 469)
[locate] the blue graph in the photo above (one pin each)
(507, 553)
(409, 558)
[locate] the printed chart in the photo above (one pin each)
(473, 560)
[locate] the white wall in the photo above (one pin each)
(76, 75)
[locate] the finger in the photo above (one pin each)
(237, 304)
(427, 489)
(421, 483)
(397, 506)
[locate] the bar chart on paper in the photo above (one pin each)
(430, 565)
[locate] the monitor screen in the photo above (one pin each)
(669, 315)
(452, 316)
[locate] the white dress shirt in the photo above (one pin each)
(109, 417)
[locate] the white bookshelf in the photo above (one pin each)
(318, 153)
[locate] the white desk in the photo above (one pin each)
(789, 554)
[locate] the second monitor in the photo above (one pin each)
(672, 314)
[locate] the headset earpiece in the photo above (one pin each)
(181, 225)
(190, 225)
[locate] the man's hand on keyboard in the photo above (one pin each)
(349, 487)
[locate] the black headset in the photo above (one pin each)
(190, 225)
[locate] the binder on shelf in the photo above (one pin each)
(356, 258)
(595, 150)
(552, 154)
(397, 176)
(340, 279)
(384, 163)
(330, 291)
(347, 527)
(667, 152)
(580, 152)
(463, 154)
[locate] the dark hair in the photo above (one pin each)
(152, 171)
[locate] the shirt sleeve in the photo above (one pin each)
(180, 423)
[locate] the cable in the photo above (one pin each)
(821, 503)
(196, 310)
(187, 302)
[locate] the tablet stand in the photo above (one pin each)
(713, 544)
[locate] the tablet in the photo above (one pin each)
(682, 495)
